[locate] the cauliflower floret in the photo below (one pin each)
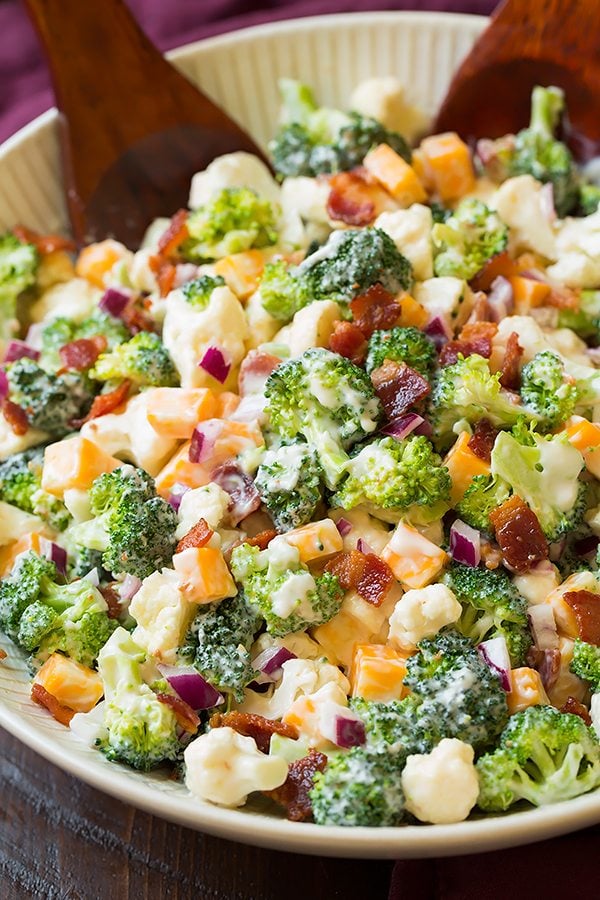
(520, 204)
(77, 502)
(262, 327)
(188, 332)
(410, 229)
(383, 98)
(533, 340)
(238, 169)
(14, 523)
(14, 443)
(209, 503)
(76, 299)
(313, 714)
(578, 253)
(421, 613)
(163, 615)
(223, 767)
(311, 326)
(297, 642)
(370, 529)
(140, 273)
(308, 198)
(441, 787)
(300, 676)
(448, 297)
(537, 583)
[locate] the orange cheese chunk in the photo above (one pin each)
(446, 161)
(395, 174)
(316, 540)
(377, 673)
(227, 402)
(74, 463)
(411, 311)
(585, 437)
(204, 575)
(463, 465)
(414, 560)
(9, 553)
(241, 271)
(175, 412)
(96, 260)
(526, 690)
(528, 293)
(73, 685)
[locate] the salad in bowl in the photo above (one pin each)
(302, 497)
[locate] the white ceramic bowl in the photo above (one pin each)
(240, 72)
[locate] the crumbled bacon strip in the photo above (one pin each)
(107, 403)
(41, 696)
(113, 601)
(352, 198)
(365, 573)
(185, 715)
(174, 235)
(136, 319)
(3, 653)
(501, 264)
(262, 539)
(199, 535)
(294, 793)
(586, 609)
(398, 387)
(474, 331)
(16, 417)
(254, 726)
(349, 341)
(510, 373)
(44, 243)
(573, 706)
(475, 337)
(374, 310)
(81, 354)
(519, 534)
(482, 440)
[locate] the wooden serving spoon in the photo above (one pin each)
(133, 130)
(529, 42)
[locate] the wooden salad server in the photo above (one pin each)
(529, 42)
(133, 129)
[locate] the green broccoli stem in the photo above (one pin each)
(547, 106)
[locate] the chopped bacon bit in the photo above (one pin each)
(254, 726)
(136, 319)
(113, 601)
(510, 374)
(348, 567)
(165, 278)
(573, 706)
(199, 535)
(44, 243)
(482, 440)
(294, 793)
(474, 331)
(254, 371)
(262, 539)
(374, 310)
(519, 534)
(349, 341)
(352, 198)
(481, 311)
(3, 653)
(501, 264)
(365, 573)
(82, 353)
(586, 609)
(175, 234)
(40, 695)
(185, 715)
(563, 298)
(107, 403)
(475, 337)
(16, 417)
(398, 387)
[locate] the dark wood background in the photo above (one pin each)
(63, 840)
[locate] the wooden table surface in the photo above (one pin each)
(63, 840)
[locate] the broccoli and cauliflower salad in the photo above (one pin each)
(302, 497)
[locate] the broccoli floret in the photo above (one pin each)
(327, 400)
(283, 294)
(400, 723)
(468, 391)
(388, 473)
(84, 560)
(468, 238)
(139, 729)
(586, 663)
(29, 576)
(52, 402)
(62, 331)
(439, 213)
(133, 527)
(585, 321)
(288, 596)
(232, 221)
(492, 607)
(546, 476)
(358, 788)
(289, 483)
(484, 494)
(589, 199)
(18, 268)
(198, 291)
(407, 345)
(544, 756)
(545, 391)
(457, 689)
(219, 641)
(144, 360)
(362, 134)
(21, 485)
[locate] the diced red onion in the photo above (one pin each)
(191, 686)
(363, 547)
(556, 550)
(92, 576)
(176, 495)
(203, 440)
(465, 543)
(501, 298)
(403, 426)
(129, 587)
(586, 547)
(547, 202)
(496, 656)
(18, 349)
(3, 385)
(344, 526)
(439, 330)
(55, 553)
(215, 363)
(240, 487)
(269, 663)
(342, 726)
(547, 663)
(113, 302)
(543, 626)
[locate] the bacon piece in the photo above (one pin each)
(481, 311)
(82, 353)
(254, 371)
(476, 331)
(186, 717)
(41, 696)
(482, 440)
(501, 264)
(262, 539)
(165, 272)
(586, 609)
(349, 341)
(398, 387)
(510, 373)
(573, 706)
(174, 235)
(519, 534)
(16, 417)
(107, 403)
(352, 198)
(254, 726)
(199, 535)
(365, 573)
(3, 653)
(475, 337)
(563, 298)
(375, 309)
(136, 319)
(294, 793)
(113, 601)
(44, 243)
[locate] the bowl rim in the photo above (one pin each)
(404, 841)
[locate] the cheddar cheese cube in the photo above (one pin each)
(75, 686)
(526, 689)
(414, 560)
(585, 437)
(8, 554)
(377, 673)
(316, 540)
(396, 175)
(203, 575)
(74, 463)
(175, 412)
(463, 465)
(241, 271)
(446, 161)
